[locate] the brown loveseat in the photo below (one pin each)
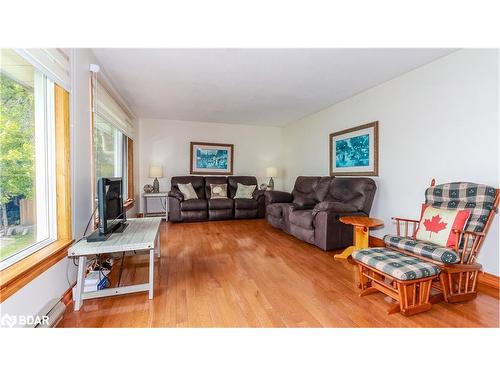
(205, 208)
(311, 211)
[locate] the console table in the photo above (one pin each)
(140, 235)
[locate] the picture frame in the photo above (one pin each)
(354, 151)
(211, 158)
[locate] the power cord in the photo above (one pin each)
(84, 234)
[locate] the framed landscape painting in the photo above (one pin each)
(354, 151)
(211, 158)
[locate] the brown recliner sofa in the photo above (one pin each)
(312, 210)
(204, 208)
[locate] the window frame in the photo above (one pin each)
(17, 275)
(45, 176)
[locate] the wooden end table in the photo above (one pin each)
(362, 225)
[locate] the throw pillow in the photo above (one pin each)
(437, 225)
(244, 191)
(218, 191)
(188, 191)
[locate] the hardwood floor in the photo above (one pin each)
(248, 274)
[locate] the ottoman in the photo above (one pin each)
(402, 277)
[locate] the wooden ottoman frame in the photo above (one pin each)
(412, 296)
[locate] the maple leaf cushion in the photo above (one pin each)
(437, 225)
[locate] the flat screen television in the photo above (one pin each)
(112, 215)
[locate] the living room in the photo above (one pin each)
(252, 185)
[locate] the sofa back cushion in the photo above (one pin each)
(478, 199)
(357, 192)
(197, 182)
(305, 188)
(244, 180)
(215, 180)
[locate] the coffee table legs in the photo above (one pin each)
(151, 271)
(80, 278)
(361, 236)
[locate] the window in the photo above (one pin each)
(27, 159)
(110, 151)
(112, 143)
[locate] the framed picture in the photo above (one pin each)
(354, 151)
(211, 158)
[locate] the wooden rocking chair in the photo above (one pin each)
(457, 281)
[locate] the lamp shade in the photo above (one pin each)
(155, 171)
(271, 172)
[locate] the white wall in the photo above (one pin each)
(54, 282)
(439, 121)
(166, 143)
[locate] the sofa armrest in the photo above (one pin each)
(338, 207)
(275, 196)
(258, 194)
(330, 233)
(176, 194)
(302, 203)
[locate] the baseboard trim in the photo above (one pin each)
(67, 297)
(485, 279)
(489, 280)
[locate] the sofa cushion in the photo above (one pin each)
(422, 248)
(305, 187)
(302, 218)
(478, 199)
(245, 204)
(400, 266)
(358, 192)
(220, 204)
(194, 205)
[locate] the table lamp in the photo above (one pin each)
(271, 172)
(156, 171)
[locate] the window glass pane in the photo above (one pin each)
(18, 150)
(108, 149)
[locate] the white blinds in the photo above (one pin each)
(107, 107)
(50, 61)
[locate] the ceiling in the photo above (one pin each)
(250, 86)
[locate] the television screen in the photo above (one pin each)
(110, 199)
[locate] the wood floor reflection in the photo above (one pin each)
(249, 274)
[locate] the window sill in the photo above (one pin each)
(14, 277)
(129, 203)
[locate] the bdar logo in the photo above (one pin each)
(8, 321)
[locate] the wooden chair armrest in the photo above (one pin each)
(477, 234)
(407, 223)
(403, 219)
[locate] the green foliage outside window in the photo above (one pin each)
(17, 150)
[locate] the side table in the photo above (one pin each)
(162, 196)
(362, 225)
